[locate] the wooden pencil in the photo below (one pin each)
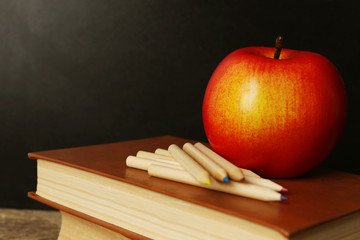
(245, 172)
(189, 164)
(144, 163)
(233, 187)
(150, 155)
(265, 183)
(214, 169)
(249, 175)
(162, 151)
(234, 172)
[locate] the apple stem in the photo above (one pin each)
(278, 46)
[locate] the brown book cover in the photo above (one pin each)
(315, 198)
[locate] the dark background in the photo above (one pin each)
(82, 72)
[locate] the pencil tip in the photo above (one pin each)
(283, 197)
(226, 179)
(284, 190)
(207, 182)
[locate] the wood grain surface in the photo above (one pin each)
(29, 224)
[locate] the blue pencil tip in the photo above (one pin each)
(226, 179)
(283, 197)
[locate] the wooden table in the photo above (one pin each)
(29, 224)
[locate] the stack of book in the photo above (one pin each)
(101, 198)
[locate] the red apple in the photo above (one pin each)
(278, 117)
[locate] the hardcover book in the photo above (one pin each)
(93, 183)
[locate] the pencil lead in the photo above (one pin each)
(226, 179)
(284, 190)
(283, 198)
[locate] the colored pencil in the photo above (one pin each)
(162, 151)
(144, 163)
(245, 172)
(234, 172)
(190, 165)
(145, 154)
(265, 183)
(215, 170)
(233, 187)
(250, 176)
